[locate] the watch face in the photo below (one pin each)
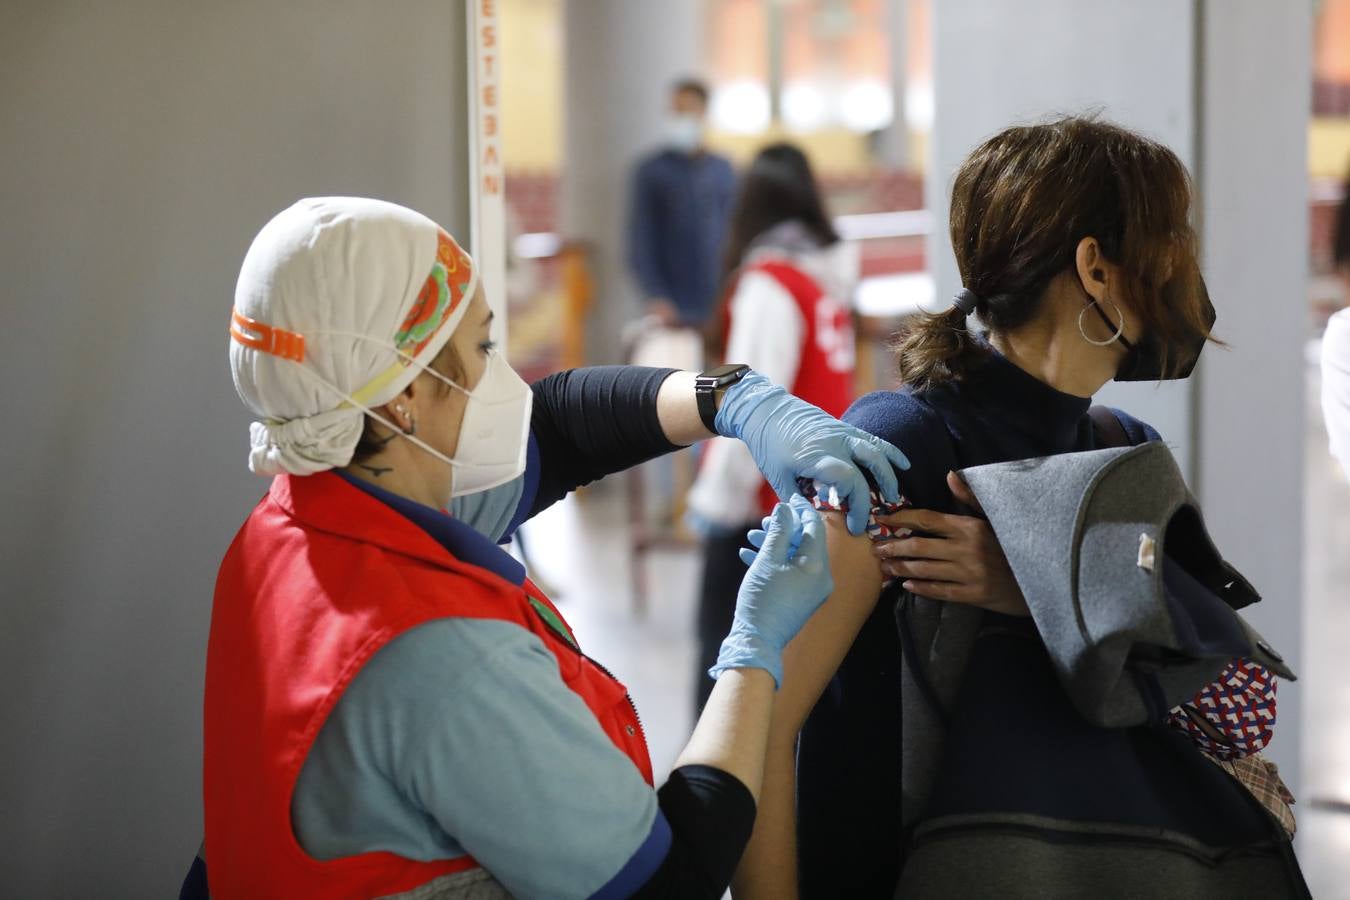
(722, 373)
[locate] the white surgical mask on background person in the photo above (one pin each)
(684, 132)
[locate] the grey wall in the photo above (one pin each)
(143, 144)
(1256, 67)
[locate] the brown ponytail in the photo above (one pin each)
(937, 347)
(1021, 203)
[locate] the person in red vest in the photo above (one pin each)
(392, 708)
(787, 314)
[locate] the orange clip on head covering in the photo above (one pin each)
(276, 341)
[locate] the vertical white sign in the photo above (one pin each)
(487, 180)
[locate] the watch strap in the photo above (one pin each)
(706, 386)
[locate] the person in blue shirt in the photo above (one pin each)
(680, 205)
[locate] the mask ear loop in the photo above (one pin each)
(1120, 328)
(409, 360)
(398, 432)
(351, 401)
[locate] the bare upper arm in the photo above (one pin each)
(815, 653)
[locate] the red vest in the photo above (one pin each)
(321, 576)
(825, 372)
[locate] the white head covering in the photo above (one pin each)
(341, 302)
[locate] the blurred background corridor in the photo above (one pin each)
(145, 142)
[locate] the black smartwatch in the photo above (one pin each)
(709, 383)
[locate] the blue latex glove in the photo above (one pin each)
(790, 439)
(789, 579)
(755, 538)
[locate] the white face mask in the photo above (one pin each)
(494, 434)
(684, 133)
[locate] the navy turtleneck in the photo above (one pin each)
(999, 412)
(850, 748)
(1002, 410)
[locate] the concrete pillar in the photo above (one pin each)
(1254, 75)
(622, 56)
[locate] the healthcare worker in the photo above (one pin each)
(392, 708)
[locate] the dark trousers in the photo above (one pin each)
(722, 574)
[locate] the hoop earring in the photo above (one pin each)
(1120, 327)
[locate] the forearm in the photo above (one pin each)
(769, 867)
(787, 581)
(768, 870)
(677, 410)
(710, 798)
(733, 731)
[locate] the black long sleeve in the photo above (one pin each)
(594, 421)
(711, 816)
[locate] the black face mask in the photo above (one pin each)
(1144, 358)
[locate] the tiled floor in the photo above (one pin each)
(581, 548)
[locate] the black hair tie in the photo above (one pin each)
(966, 300)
